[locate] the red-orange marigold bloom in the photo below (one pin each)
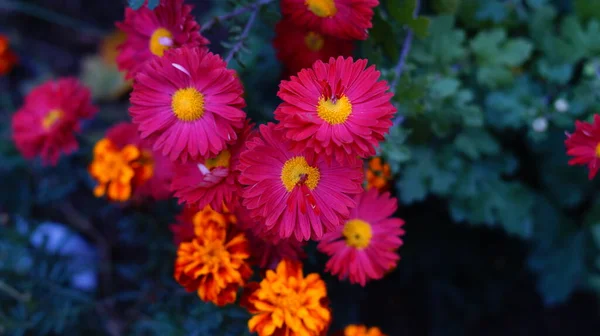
(192, 218)
(285, 303)
(361, 330)
(214, 263)
(114, 170)
(8, 59)
(378, 174)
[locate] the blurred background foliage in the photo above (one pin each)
(502, 236)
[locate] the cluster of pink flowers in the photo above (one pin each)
(288, 182)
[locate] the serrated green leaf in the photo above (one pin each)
(444, 45)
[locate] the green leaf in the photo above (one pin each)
(587, 9)
(497, 56)
(560, 267)
(494, 10)
(404, 14)
(476, 142)
(420, 26)
(445, 87)
(444, 45)
(136, 4)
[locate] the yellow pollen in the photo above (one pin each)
(314, 41)
(188, 104)
(598, 150)
(221, 160)
(51, 118)
(357, 233)
(212, 254)
(334, 112)
(161, 40)
(296, 170)
(291, 302)
(322, 8)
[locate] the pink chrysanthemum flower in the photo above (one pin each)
(295, 193)
(337, 108)
(46, 124)
(584, 145)
(151, 32)
(346, 19)
(188, 104)
(214, 181)
(156, 179)
(364, 248)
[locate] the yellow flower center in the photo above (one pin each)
(188, 104)
(314, 41)
(161, 40)
(51, 118)
(322, 8)
(297, 171)
(357, 233)
(290, 301)
(221, 160)
(212, 254)
(334, 111)
(598, 150)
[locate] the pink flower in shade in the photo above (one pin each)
(295, 193)
(214, 181)
(364, 248)
(345, 19)
(267, 250)
(584, 145)
(153, 183)
(151, 32)
(46, 124)
(188, 104)
(338, 108)
(298, 48)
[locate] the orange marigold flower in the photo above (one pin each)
(378, 174)
(7, 58)
(214, 263)
(115, 169)
(191, 222)
(287, 303)
(361, 330)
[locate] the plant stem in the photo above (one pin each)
(11, 291)
(402, 61)
(233, 14)
(404, 53)
(238, 45)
